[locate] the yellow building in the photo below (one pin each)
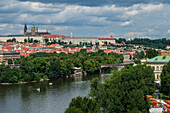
(5, 55)
(157, 64)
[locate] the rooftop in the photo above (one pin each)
(106, 39)
(82, 37)
(163, 59)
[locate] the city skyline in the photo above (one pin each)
(142, 19)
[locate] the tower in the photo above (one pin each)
(71, 34)
(33, 29)
(25, 30)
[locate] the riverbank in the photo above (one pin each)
(41, 80)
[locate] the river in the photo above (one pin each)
(50, 99)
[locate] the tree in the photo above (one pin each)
(10, 61)
(40, 65)
(80, 43)
(165, 79)
(125, 90)
(130, 57)
(91, 66)
(25, 40)
(83, 51)
(83, 105)
(151, 53)
(14, 40)
(54, 68)
(141, 55)
(35, 41)
(77, 63)
(73, 110)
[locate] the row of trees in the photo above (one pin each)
(150, 53)
(157, 43)
(53, 65)
(124, 91)
(30, 40)
(165, 79)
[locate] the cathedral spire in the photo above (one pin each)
(25, 29)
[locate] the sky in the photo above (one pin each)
(102, 18)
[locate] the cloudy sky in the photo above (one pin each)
(121, 18)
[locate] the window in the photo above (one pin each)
(157, 76)
(157, 68)
(161, 68)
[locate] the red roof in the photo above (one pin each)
(82, 37)
(165, 51)
(52, 35)
(106, 39)
(35, 45)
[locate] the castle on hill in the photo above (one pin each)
(34, 31)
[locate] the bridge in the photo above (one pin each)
(116, 65)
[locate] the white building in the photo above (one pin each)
(106, 41)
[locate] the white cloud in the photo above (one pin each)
(168, 31)
(60, 28)
(135, 34)
(3, 25)
(125, 23)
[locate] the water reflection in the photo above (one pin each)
(51, 98)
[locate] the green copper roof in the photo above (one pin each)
(160, 59)
(33, 24)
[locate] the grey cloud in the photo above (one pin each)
(125, 3)
(102, 18)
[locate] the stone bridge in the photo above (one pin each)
(116, 65)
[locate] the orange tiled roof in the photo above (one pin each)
(106, 39)
(82, 37)
(52, 35)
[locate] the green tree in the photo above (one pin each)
(151, 53)
(13, 40)
(25, 40)
(91, 66)
(73, 110)
(83, 51)
(125, 90)
(41, 65)
(35, 41)
(77, 63)
(141, 55)
(84, 105)
(165, 79)
(10, 61)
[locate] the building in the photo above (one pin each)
(126, 57)
(34, 31)
(19, 38)
(105, 41)
(165, 53)
(167, 47)
(5, 55)
(78, 40)
(157, 64)
(53, 37)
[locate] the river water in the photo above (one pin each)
(50, 99)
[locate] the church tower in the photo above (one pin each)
(33, 29)
(25, 30)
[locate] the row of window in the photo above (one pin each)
(157, 68)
